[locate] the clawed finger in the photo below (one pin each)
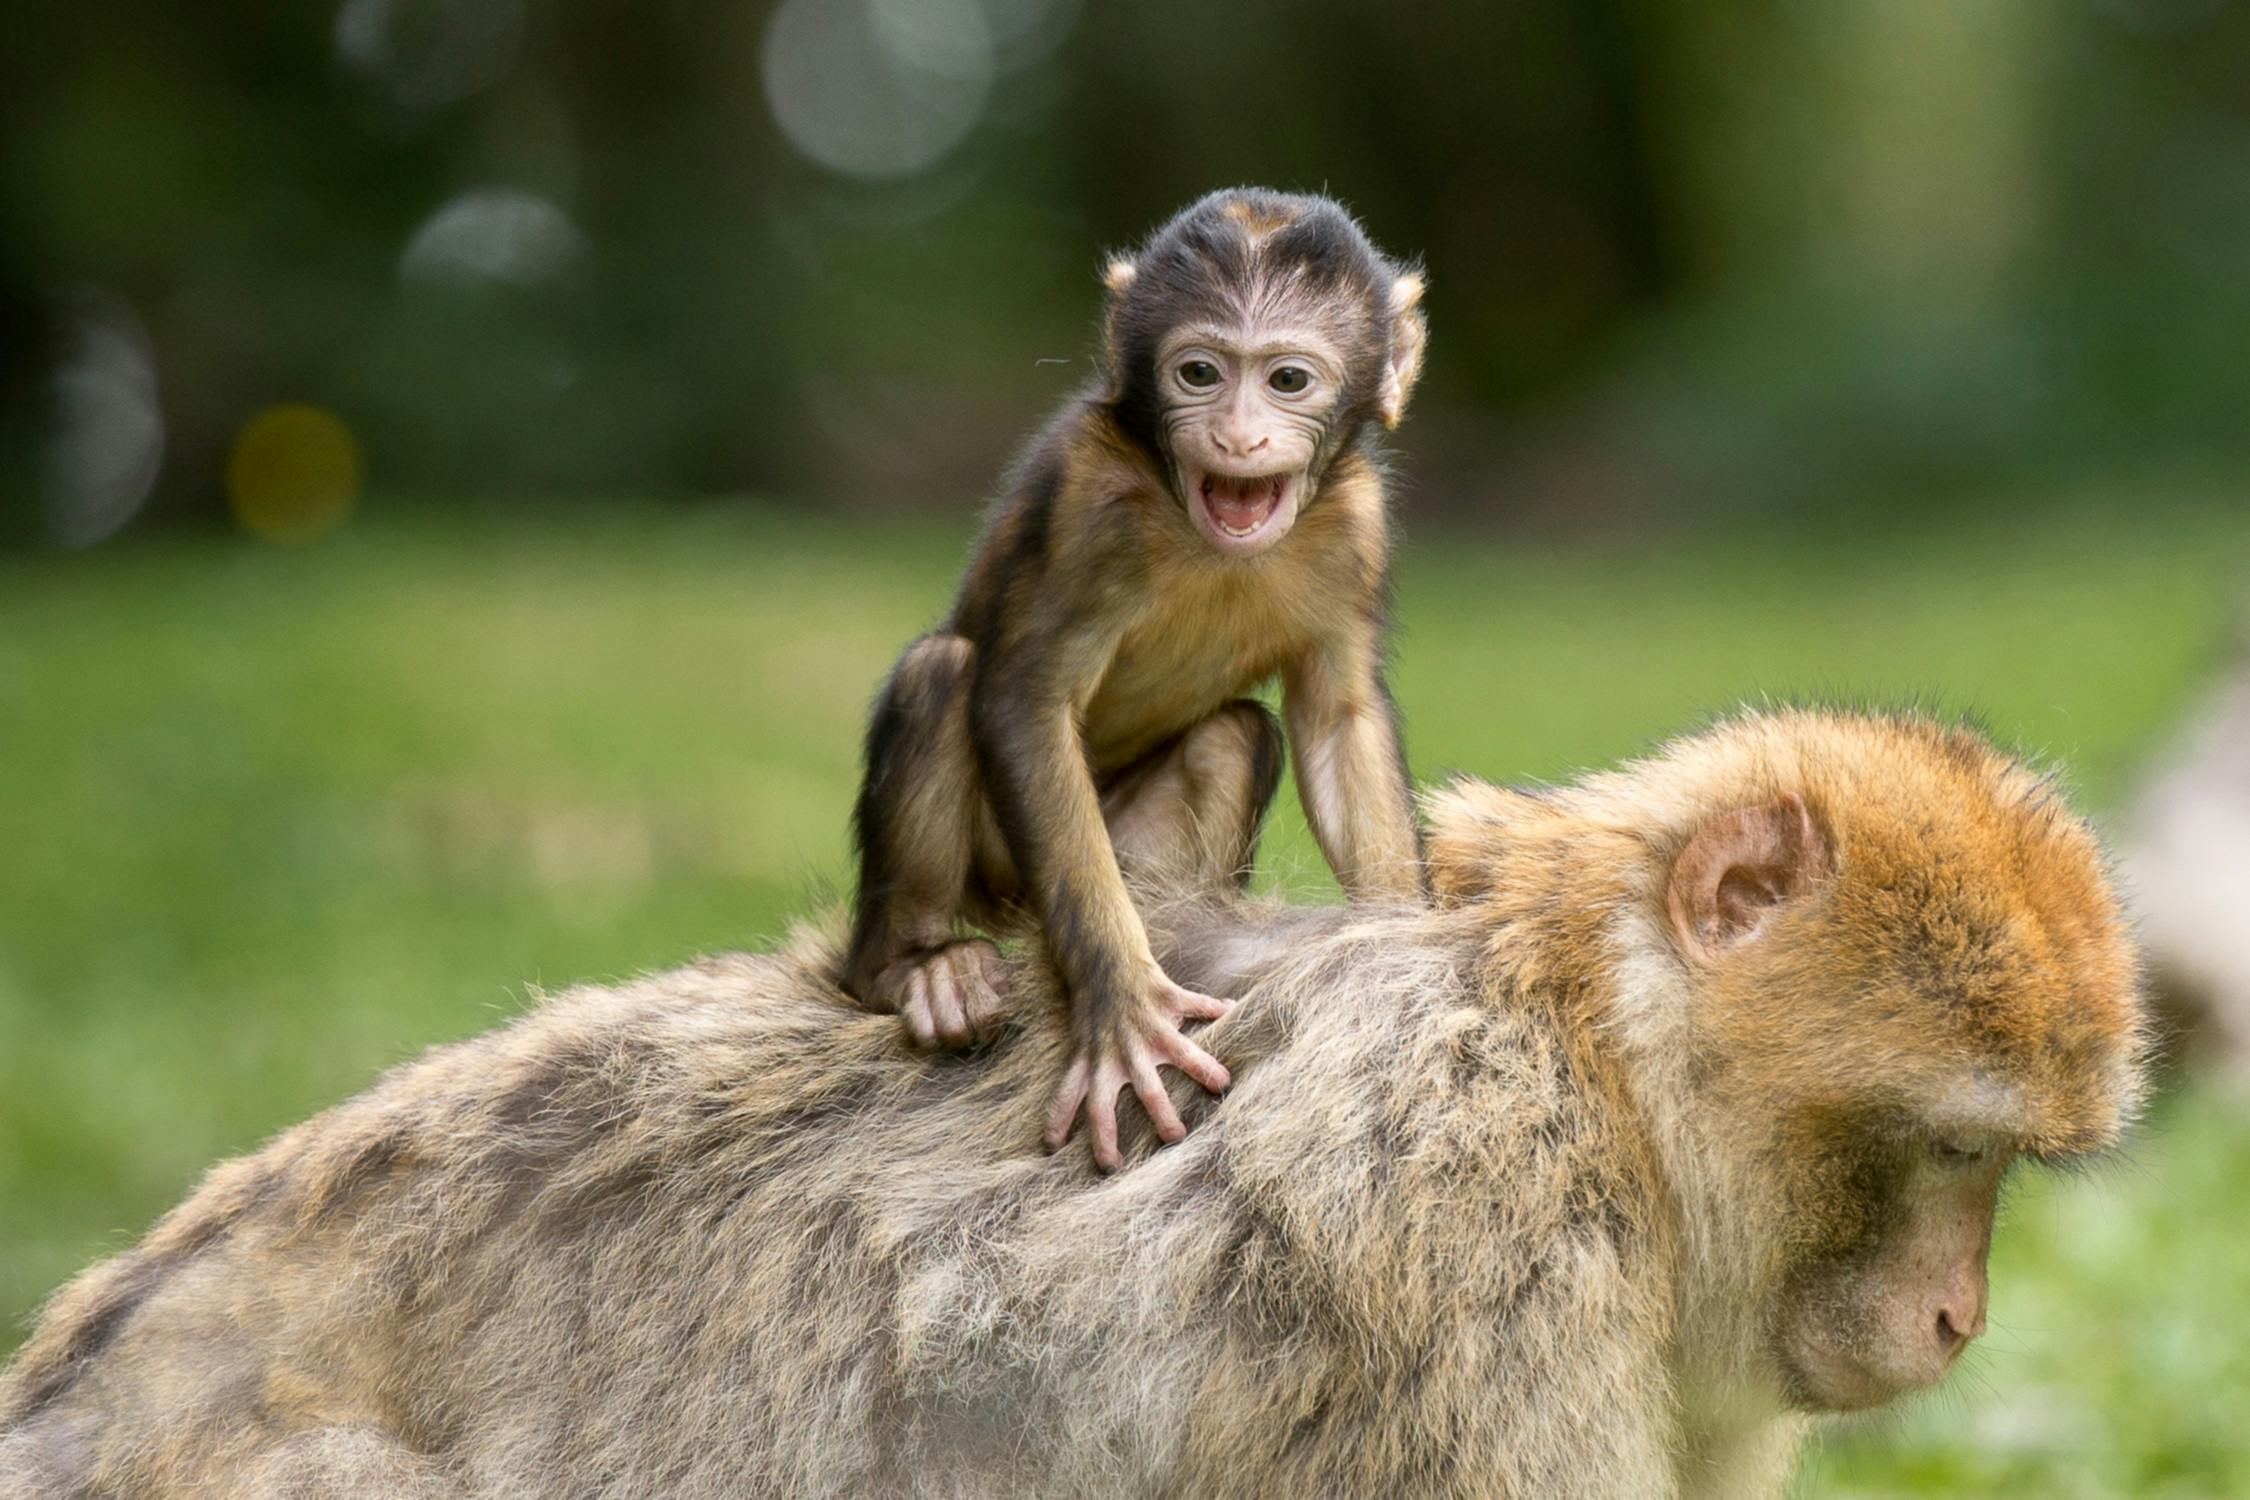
(1157, 1100)
(989, 964)
(1182, 1053)
(945, 1004)
(1193, 1006)
(1101, 1116)
(917, 1010)
(1062, 1115)
(981, 1004)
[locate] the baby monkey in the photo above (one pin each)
(1207, 515)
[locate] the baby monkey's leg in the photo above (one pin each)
(916, 829)
(1187, 818)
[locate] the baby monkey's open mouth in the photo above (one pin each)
(1244, 513)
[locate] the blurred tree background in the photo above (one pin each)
(465, 463)
(1738, 257)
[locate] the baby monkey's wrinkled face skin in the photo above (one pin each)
(1246, 415)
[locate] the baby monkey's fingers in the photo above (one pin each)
(1143, 1040)
(946, 1015)
(1101, 1113)
(916, 1010)
(1154, 1097)
(1062, 1115)
(991, 966)
(1182, 1053)
(1189, 1005)
(1175, 1004)
(950, 996)
(984, 986)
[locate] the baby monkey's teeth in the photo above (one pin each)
(1238, 505)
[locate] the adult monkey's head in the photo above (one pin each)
(1253, 339)
(1900, 971)
(1867, 967)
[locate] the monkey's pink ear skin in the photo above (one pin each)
(1738, 870)
(1409, 335)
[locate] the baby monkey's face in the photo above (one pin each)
(1246, 417)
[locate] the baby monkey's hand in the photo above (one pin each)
(1129, 1043)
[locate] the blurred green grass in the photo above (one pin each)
(272, 820)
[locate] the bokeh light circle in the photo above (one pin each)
(1026, 32)
(494, 235)
(877, 88)
(293, 474)
(107, 442)
(428, 53)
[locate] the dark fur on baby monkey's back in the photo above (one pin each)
(1207, 515)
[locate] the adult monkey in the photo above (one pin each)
(1678, 1120)
(1207, 515)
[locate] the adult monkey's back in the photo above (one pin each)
(1680, 1118)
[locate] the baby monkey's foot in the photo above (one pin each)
(949, 996)
(1128, 1049)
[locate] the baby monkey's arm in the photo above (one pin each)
(1125, 1014)
(1351, 770)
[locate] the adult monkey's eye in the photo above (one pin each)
(1200, 373)
(1290, 379)
(1957, 1153)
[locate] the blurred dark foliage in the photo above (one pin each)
(1735, 257)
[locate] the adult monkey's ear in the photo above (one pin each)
(1409, 333)
(1739, 870)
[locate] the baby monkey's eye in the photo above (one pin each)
(1289, 379)
(1200, 373)
(1958, 1153)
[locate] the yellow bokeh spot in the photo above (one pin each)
(293, 475)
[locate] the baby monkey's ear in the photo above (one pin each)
(1117, 278)
(1409, 333)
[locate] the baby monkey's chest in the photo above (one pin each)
(1191, 653)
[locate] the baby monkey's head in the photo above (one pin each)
(1250, 341)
